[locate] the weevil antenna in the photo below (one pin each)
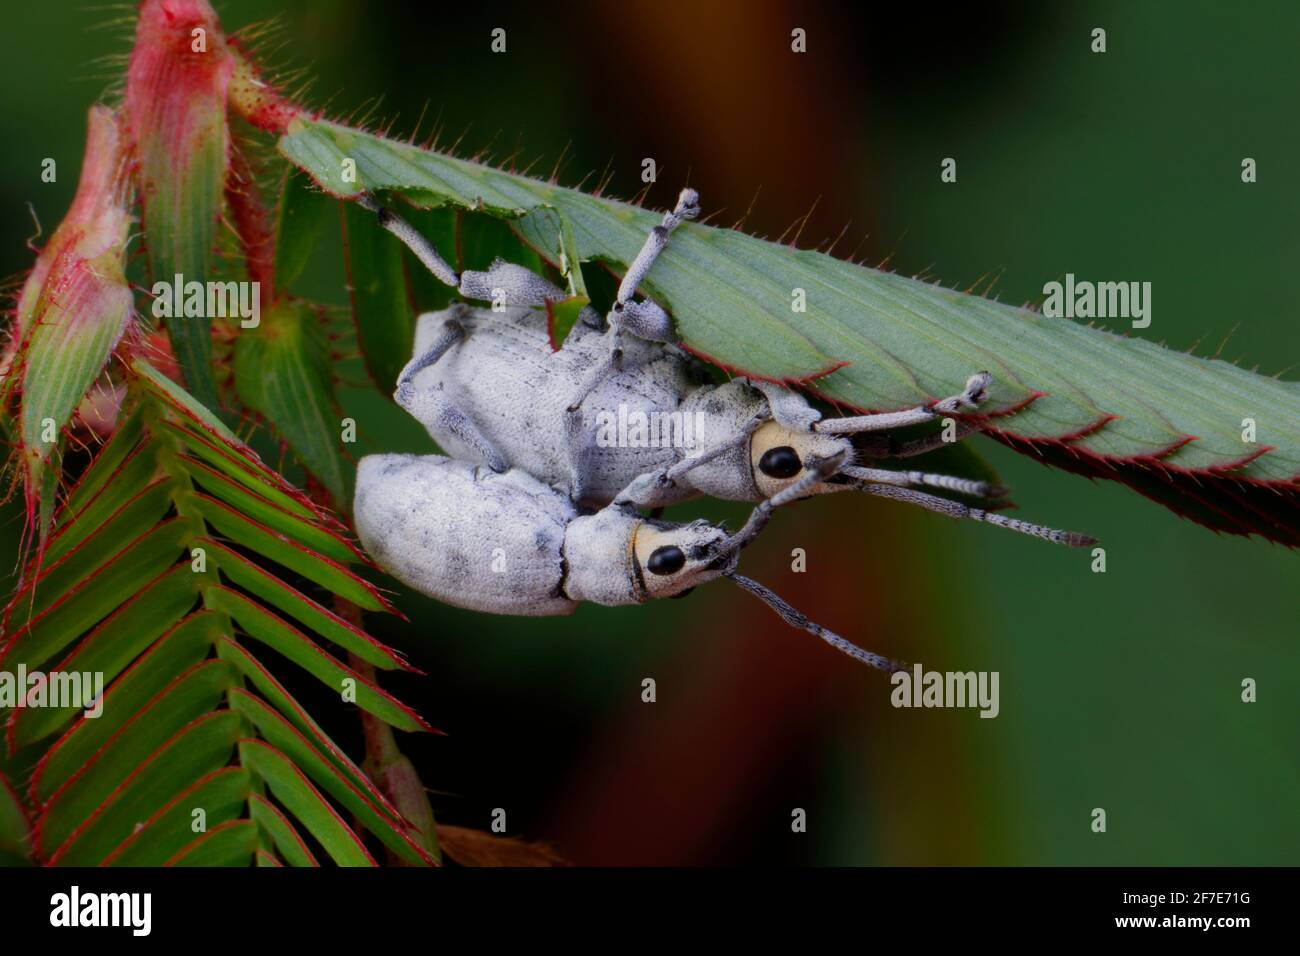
(955, 509)
(817, 472)
(922, 479)
(796, 618)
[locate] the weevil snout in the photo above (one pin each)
(781, 456)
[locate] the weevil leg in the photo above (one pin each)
(886, 446)
(431, 407)
(450, 333)
(955, 509)
(611, 363)
(975, 392)
(642, 491)
(411, 237)
(645, 320)
(817, 472)
(503, 283)
(923, 479)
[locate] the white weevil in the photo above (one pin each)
(505, 543)
(490, 390)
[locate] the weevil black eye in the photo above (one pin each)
(780, 462)
(666, 560)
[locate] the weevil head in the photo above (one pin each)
(773, 457)
(615, 557)
(673, 558)
(779, 456)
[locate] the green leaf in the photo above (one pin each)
(302, 210)
(232, 843)
(304, 801)
(115, 595)
(1117, 407)
(289, 641)
(221, 795)
(136, 473)
(291, 554)
(282, 371)
(110, 647)
(380, 819)
(15, 831)
(259, 509)
(242, 469)
(73, 838)
(179, 649)
(130, 521)
(103, 591)
(270, 688)
(281, 831)
(385, 325)
(187, 698)
(265, 585)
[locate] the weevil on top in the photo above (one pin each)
(492, 392)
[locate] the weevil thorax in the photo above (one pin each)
(614, 557)
(772, 459)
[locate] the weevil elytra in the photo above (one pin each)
(490, 390)
(505, 543)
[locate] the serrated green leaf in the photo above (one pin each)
(136, 473)
(221, 796)
(233, 465)
(179, 649)
(199, 749)
(94, 598)
(270, 688)
(293, 644)
(876, 340)
(111, 646)
(283, 372)
(380, 819)
(132, 519)
(262, 583)
(385, 325)
(189, 697)
(277, 826)
(172, 395)
(308, 533)
(300, 215)
(304, 801)
(292, 555)
(232, 843)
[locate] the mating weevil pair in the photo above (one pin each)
(533, 513)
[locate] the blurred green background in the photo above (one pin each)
(1118, 690)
